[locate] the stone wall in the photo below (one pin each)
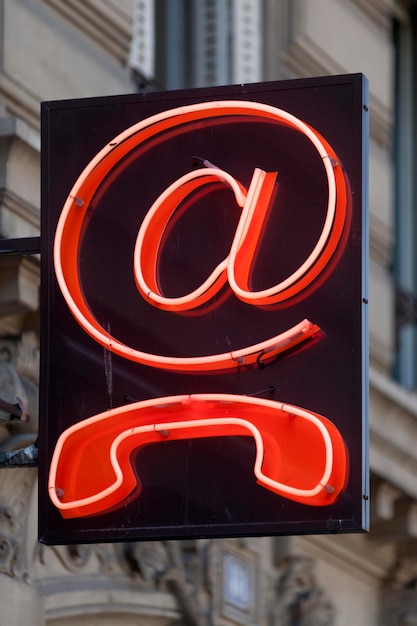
(57, 49)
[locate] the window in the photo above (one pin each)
(142, 49)
(202, 43)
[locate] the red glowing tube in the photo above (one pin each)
(237, 264)
(300, 455)
(246, 240)
(147, 249)
(152, 229)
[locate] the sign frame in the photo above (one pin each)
(70, 331)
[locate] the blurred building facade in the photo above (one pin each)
(59, 49)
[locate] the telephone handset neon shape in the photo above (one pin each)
(299, 455)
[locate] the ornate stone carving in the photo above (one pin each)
(11, 386)
(398, 608)
(299, 601)
(174, 566)
(17, 390)
(15, 488)
(147, 561)
(106, 560)
(27, 357)
(74, 558)
(182, 583)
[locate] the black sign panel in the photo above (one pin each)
(204, 354)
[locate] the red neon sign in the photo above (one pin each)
(299, 454)
(116, 433)
(238, 265)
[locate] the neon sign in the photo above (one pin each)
(310, 468)
(283, 433)
(236, 267)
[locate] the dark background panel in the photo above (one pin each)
(202, 487)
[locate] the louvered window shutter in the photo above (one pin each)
(246, 20)
(142, 51)
(227, 41)
(211, 42)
